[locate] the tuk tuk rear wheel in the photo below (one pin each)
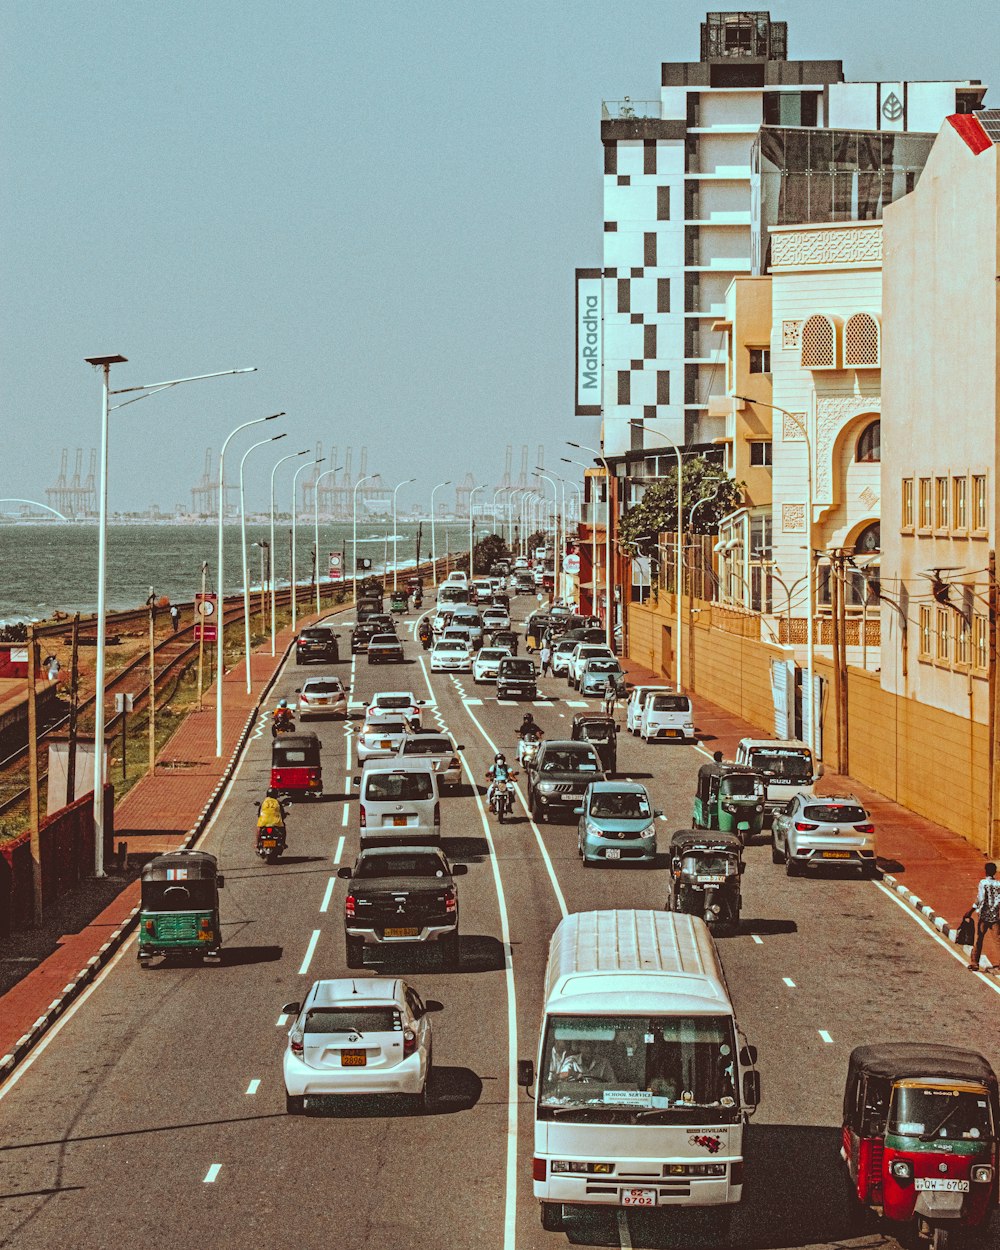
(941, 1237)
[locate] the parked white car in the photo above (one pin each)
(636, 702)
(562, 653)
(451, 655)
(667, 715)
(487, 663)
(813, 831)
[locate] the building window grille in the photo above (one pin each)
(960, 503)
(662, 295)
(963, 641)
(979, 508)
(760, 360)
(869, 450)
(944, 634)
(662, 203)
(862, 342)
(906, 517)
(926, 514)
(926, 633)
(760, 453)
(941, 503)
(980, 642)
(819, 343)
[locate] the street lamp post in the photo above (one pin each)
(370, 477)
(557, 552)
(810, 583)
(679, 569)
(433, 536)
(284, 459)
(265, 577)
(472, 533)
(243, 547)
(220, 645)
(395, 536)
(609, 592)
(325, 473)
(295, 488)
(516, 490)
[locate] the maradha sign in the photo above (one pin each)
(589, 362)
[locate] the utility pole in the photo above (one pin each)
(200, 625)
(33, 804)
(845, 761)
(74, 691)
(835, 590)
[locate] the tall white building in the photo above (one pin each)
(681, 211)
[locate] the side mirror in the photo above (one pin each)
(432, 1004)
(748, 1055)
(291, 1009)
(344, 873)
(525, 1073)
(657, 812)
(617, 729)
(220, 881)
(356, 783)
(460, 747)
(298, 689)
(459, 870)
(751, 1088)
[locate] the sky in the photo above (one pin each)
(379, 205)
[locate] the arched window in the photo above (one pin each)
(869, 541)
(869, 449)
(819, 343)
(862, 342)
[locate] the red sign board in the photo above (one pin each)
(206, 633)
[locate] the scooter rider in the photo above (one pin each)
(425, 633)
(272, 814)
(499, 770)
(529, 727)
(282, 713)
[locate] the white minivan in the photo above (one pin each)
(636, 704)
(667, 715)
(399, 803)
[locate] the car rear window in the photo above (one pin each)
(670, 703)
(385, 640)
(317, 635)
(409, 864)
(385, 728)
(518, 668)
(333, 686)
(565, 759)
(393, 700)
(426, 745)
(836, 813)
(352, 1020)
(411, 786)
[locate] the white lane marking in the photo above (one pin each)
(557, 890)
(513, 1096)
(343, 819)
(473, 702)
(212, 1173)
(789, 982)
(427, 680)
(624, 1236)
(825, 1036)
(758, 939)
(310, 951)
(281, 1021)
(707, 754)
(324, 906)
(952, 950)
(253, 1087)
(348, 744)
(562, 715)
(340, 845)
(576, 703)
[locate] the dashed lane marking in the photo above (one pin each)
(281, 1021)
(826, 1037)
(624, 1236)
(212, 1173)
(576, 703)
(343, 819)
(789, 982)
(253, 1087)
(310, 951)
(324, 906)
(758, 939)
(473, 702)
(340, 845)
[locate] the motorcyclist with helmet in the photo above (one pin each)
(282, 717)
(425, 633)
(499, 770)
(271, 822)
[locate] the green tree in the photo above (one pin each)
(489, 550)
(656, 512)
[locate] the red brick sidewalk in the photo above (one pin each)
(935, 864)
(156, 815)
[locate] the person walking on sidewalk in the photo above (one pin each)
(545, 655)
(987, 909)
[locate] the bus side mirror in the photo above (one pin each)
(525, 1073)
(220, 881)
(751, 1088)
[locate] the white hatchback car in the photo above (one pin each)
(381, 737)
(439, 751)
(637, 701)
(451, 655)
(392, 704)
(322, 696)
(667, 715)
(487, 663)
(579, 656)
(360, 1036)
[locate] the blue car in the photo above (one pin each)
(618, 824)
(594, 678)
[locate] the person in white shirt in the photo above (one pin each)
(987, 909)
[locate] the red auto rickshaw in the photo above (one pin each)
(296, 770)
(920, 1136)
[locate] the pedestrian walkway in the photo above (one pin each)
(155, 816)
(932, 862)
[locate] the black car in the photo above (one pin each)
(318, 642)
(384, 621)
(516, 679)
(369, 607)
(401, 895)
(504, 638)
(362, 635)
(559, 775)
(385, 649)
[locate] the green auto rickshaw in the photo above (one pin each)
(179, 908)
(400, 602)
(730, 798)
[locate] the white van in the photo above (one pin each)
(639, 1027)
(636, 702)
(666, 715)
(788, 766)
(399, 802)
(458, 576)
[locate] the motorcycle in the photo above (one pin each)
(270, 842)
(502, 802)
(426, 637)
(282, 725)
(527, 750)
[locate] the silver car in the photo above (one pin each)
(439, 751)
(829, 830)
(382, 737)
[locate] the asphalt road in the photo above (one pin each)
(154, 1113)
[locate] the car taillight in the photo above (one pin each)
(539, 1169)
(865, 828)
(437, 813)
(736, 1172)
(150, 926)
(297, 1045)
(450, 901)
(409, 1042)
(362, 818)
(206, 925)
(803, 827)
(349, 906)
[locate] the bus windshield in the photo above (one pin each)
(792, 766)
(639, 1068)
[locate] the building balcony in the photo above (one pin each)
(626, 109)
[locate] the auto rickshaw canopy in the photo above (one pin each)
(590, 727)
(181, 866)
(901, 1061)
(682, 841)
(716, 772)
(292, 749)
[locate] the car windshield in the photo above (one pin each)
(423, 744)
(670, 703)
(401, 864)
(784, 765)
(519, 668)
(939, 1114)
(835, 813)
(360, 1020)
(565, 759)
(399, 786)
(628, 805)
(602, 666)
(450, 644)
(637, 1064)
(738, 787)
(385, 728)
(332, 685)
(707, 864)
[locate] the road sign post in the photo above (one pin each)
(204, 610)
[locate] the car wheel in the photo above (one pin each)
(294, 1104)
(424, 1103)
(451, 955)
(776, 855)
(588, 863)
(791, 867)
(355, 949)
(552, 1217)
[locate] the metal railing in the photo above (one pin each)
(629, 108)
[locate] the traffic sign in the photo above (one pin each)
(336, 567)
(205, 604)
(206, 633)
(571, 563)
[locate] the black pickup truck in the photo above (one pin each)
(401, 895)
(558, 776)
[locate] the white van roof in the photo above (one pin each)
(634, 962)
(747, 744)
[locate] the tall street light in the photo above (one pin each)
(395, 536)
(515, 490)
(472, 546)
(609, 589)
(284, 460)
(325, 473)
(220, 645)
(557, 554)
(295, 490)
(370, 477)
(593, 534)
(433, 536)
(243, 547)
(679, 573)
(797, 421)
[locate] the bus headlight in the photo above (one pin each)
(589, 1169)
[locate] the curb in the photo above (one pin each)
(71, 991)
(917, 904)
